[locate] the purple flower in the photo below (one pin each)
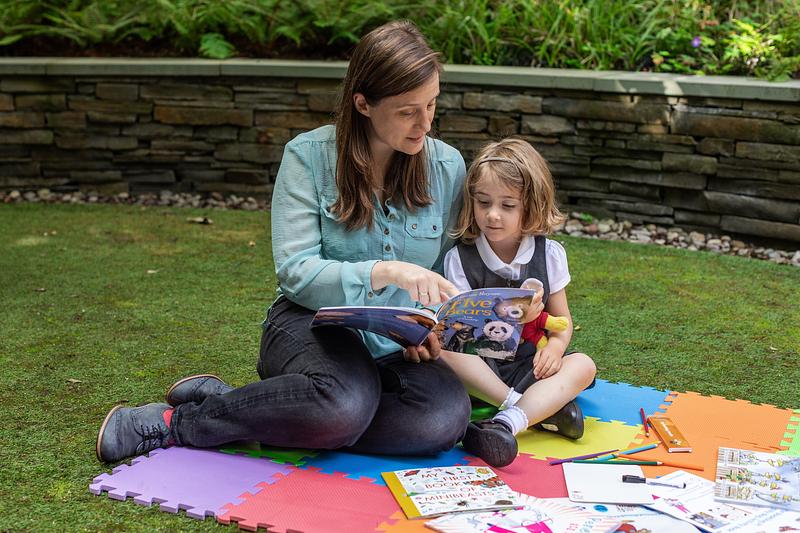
(696, 42)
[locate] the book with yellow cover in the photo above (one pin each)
(670, 435)
(428, 492)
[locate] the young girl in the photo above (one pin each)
(509, 205)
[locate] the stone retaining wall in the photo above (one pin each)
(686, 157)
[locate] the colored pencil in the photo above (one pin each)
(613, 462)
(644, 422)
(579, 457)
(628, 452)
(673, 464)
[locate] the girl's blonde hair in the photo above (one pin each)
(389, 60)
(518, 165)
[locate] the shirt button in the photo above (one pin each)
(388, 248)
(370, 294)
(434, 227)
(391, 216)
(413, 226)
(386, 231)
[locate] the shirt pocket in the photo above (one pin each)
(423, 239)
(336, 242)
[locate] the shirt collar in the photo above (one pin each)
(494, 263)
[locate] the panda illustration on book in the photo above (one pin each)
(496, 341)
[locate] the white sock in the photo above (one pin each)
(513, 417)
(511, 399)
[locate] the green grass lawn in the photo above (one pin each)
(108, 304)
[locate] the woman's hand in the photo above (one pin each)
(429, 350)
(423, 285)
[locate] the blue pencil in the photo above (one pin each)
(626, 452)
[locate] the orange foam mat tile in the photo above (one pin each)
(735, 420)
(711, 422)
(401, 524)
(597, 436)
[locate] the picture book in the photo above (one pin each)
(603, 483)
(534, 515)
(758, 478)
(696, 505)
(484, 322)
(669, 434)
(428, 492)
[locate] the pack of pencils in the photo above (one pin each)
(670, 435)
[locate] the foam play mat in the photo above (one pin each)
(281, 490)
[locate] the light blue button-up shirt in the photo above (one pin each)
(319, 263)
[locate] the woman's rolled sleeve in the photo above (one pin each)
(304, 276)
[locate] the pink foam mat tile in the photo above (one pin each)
(199, 481)
(532, 476)
(309, 501)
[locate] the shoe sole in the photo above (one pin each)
(493, 445)
(182, 381)
(102, 430)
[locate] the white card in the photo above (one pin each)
(603, 483)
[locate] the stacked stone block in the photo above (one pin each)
(716, 164)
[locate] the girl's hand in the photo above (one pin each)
(547, 361)
(535, 309)
(429, 350)
(423, 285)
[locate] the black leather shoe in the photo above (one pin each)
(491, 441)
(567, 421)
(129, 431)
(195, 389)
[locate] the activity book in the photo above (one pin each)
(484, 322)
(428, 492)
(758, 478)
(534, 515)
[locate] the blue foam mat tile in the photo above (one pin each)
(609, 401)
(357, 466)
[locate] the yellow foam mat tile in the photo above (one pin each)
(597, 436)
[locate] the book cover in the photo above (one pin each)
(534, 515)
(484, 322)
(669, 434)
(428, 492)
(758, 478)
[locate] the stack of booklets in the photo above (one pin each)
(758, 478)
(534, 515)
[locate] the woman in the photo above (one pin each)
(360, 215)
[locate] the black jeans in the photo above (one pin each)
(322, 389)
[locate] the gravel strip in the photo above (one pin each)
(578, 224)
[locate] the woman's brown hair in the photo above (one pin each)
(389, 60)
(518, 165)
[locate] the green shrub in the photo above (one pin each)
(758, 37)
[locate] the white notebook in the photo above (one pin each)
(602, 483)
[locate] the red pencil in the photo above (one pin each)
(644, 422)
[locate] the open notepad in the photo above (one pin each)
(603, 483)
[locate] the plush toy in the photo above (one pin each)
(533, 329)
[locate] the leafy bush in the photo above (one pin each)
(756, 37)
